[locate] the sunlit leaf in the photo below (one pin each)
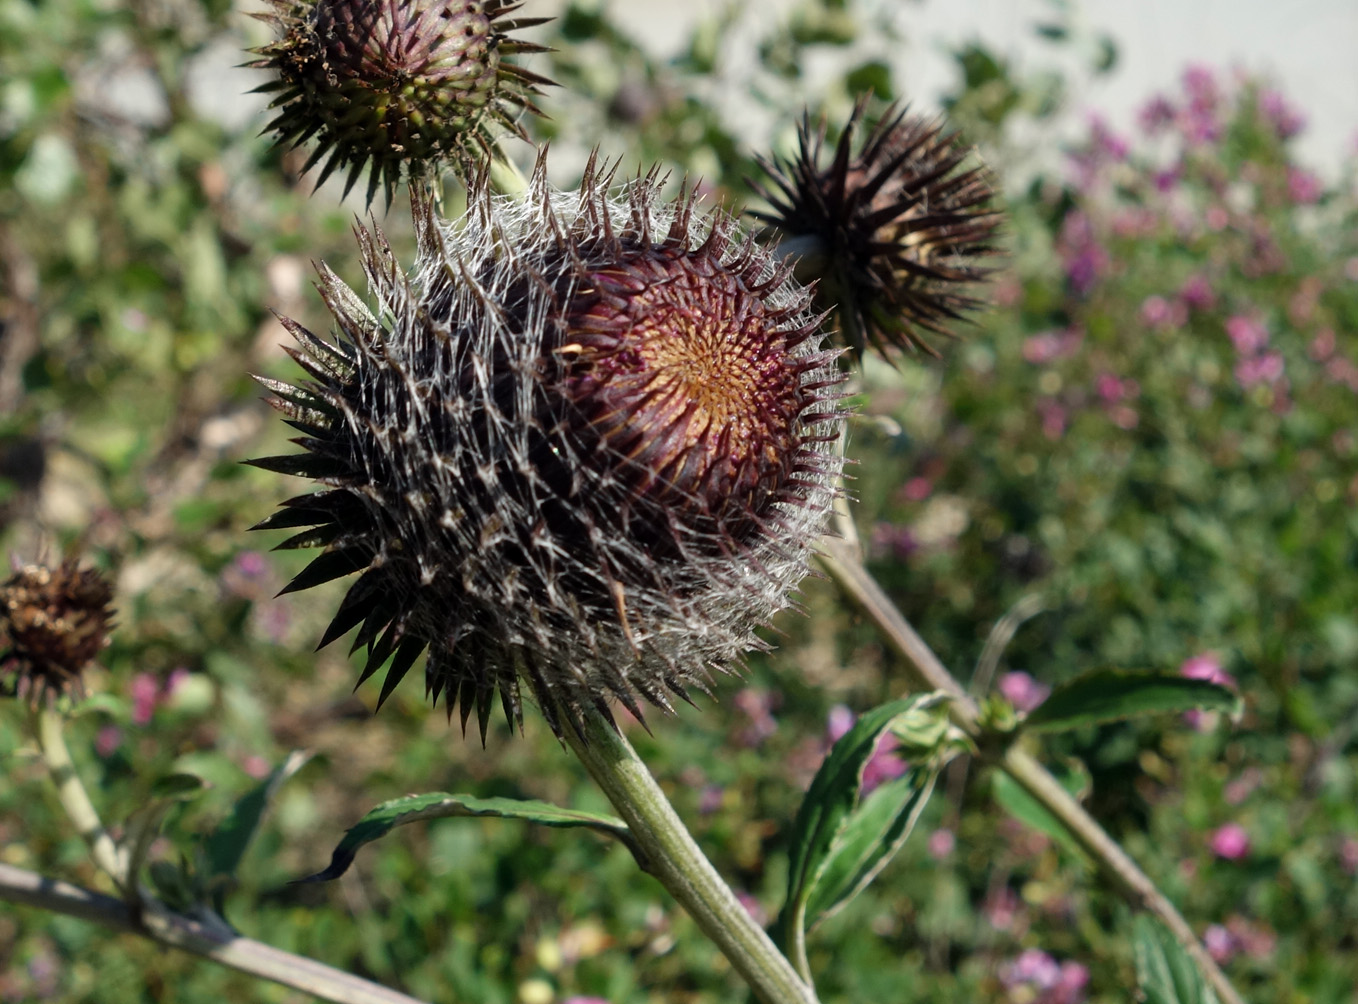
(439, 805)
(1110, 695)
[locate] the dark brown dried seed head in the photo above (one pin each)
(53, 623)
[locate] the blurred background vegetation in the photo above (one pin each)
(1151, 438)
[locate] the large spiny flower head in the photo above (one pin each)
(587, 444)
(896, 231)
(396, 84)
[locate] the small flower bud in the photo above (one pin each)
(393, 83)
(894, 233)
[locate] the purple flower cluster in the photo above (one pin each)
(1086, 259)
(1034, 977)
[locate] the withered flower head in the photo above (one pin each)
(387, 83)
(53, 622)
(589, 446)
(895, 232)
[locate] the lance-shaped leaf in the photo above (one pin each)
(1165, 973)
(840, 841)
(1012, 797)
(870, 838)
(226, 846)
(1110, 695)
(440, 805)
(143, 825)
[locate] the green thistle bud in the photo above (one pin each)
(53, 623)
(589, 446)
(387, 83)
(895, 233)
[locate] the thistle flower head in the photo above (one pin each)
(895, 230)
(392, 83)
(53, 622)
(587, 445)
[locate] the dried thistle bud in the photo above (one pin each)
(387, 83)
(895, 232)
(53, 623)
(589, 446)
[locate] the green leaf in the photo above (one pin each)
(143, 825)
(439, 805)
(870, 838)
(1013, 799)
(1165, 972)
(1109, 695)
(839, 842)
(227, 844)
(176, 787)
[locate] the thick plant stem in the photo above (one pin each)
(845, 567)
(17, 885)
(1133, 882)
(669, 853)
(48, 726)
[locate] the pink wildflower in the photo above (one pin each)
(1247, 334)
(1165, 179)
(1156, 115)
(753, 907)
(1085, 258)
(1160, 313)
(1197, 293)
(1220, 944)
(1256, 370)
(1053, 415)
(897, 541)
(1022, 691)
(1002, 908)
(1255, 941)
(1230, 842)
(144, 691)
(1303, 187)
(1285, 119)
(1322, 346)
(1348, 855)
(1206, 666)
(942, 843)
(1242, 787)
(1043, 348)
(107, 740)
(757, 706)
(917, 489)
(1054, 983)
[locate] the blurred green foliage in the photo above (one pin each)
(1167, 486)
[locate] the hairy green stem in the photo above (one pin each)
(845, 567)
(48, 725)
(155, 921)
(669, 853)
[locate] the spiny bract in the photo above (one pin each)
(588, 445)
(396, 84)
(895, 234)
